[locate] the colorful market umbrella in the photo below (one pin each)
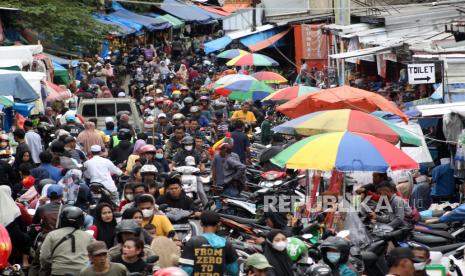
(348, 120)
(339, 98)
(252, 59)
(345, 152)
(269, 77)
(289, 93)
(231, 78)
(232, 53)
(245, 90)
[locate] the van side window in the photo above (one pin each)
(106, 110)
(123, 107)
(88, 110)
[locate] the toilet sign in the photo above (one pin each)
(421, 73)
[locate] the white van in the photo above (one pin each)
(101, 108)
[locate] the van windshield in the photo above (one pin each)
(106, 110)
(123, 107)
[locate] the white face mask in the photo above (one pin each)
(419, 266)
(188, 148)
(130, 197)
(333, 257)
(159, 155)
(146, 213)
(280, 246)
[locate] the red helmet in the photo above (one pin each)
(168, 102)
(170, 271)
(159, 100)
(148, 148)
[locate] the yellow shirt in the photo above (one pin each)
(248, 117)
(162, 224)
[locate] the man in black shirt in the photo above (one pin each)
(175, 196)
(71, 126)
(209, 254)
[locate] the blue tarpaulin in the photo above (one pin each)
(23, 108)
(123, 30)
(217, 44)
(16, 85)
(63, 61)
(186, 12)
(149, 23)
(118, 20)
(255, 38)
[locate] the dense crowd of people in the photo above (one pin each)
(85, 201)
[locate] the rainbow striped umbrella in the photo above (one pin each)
(252, 59)
(228, 79)
(245, 90)
(348, 120)
(269, 77)
(345, 152)
(290, 93)
(232, 53)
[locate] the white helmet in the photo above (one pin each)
(148, 169)
(178, 116)
(194, 109)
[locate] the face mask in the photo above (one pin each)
(419, 266)
(146, 213)
(280, 246)
(97, 196)
(159, 155)
(188, 148)
(333, 257)
(130, 197)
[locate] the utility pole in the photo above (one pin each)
(254, 15)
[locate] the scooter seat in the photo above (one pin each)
(429, 240)
(241, 219)
(439, 233)
(438, 226)
(447, 248)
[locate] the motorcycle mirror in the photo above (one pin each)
(163, 207)
(152, 259)
(343, 234)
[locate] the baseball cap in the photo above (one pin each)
(95, 148)
(55, 190)
(257, 261)
(162, 115)
(400, 253)
(28, 123)
(96, 248)
(121, 94)
(109, 119)
(69, 139)
(70, 117)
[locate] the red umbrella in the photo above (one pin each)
(339, 98)
(269, 77)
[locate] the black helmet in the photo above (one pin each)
(39, 186)
(340, 244)
(72, 216)
(127, 226)
(319, 270)
(188, 140)
(124, 134)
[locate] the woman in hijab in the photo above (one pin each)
(164, 69)
(183, 74)
(104, 224)
(135, 154)
(106, 93)
(275, 252)
(10, 218)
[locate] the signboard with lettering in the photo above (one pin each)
(421, 73)
(314, 42)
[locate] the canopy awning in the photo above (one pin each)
(62, 61)
(149, 23)
(122, 30)
(16, 85)
(213, 10)
(18, 56)
(217, 44)
(364, 52)
(177, 23)
(188, 13)
(263, 40)
(118, 20)
(234, 7)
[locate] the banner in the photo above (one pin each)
(314, 42)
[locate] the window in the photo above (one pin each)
(106, 110)
(123, 107)
(88, 110)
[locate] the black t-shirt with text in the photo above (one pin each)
(206, 260)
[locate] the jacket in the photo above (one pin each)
(64, 260)
(121, 152)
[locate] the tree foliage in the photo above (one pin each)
(69, 23)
